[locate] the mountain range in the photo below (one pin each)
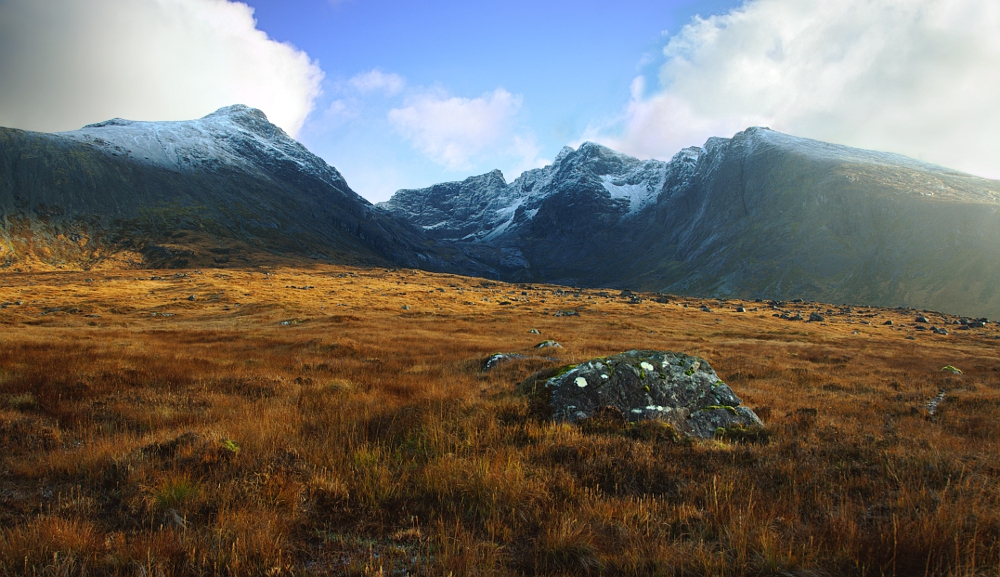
(759, 215)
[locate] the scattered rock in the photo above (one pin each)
(192, 297)
(816, 318)
(662, 300)
(921, 319)
(406, 307)
(498, 358)
(887, 323)
(566, 314)
(940, 331)
(547, 344)
(535, 332)
(680, 389)
(934, 403)
(740, 310)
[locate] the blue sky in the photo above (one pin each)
(569, 64)
(401, 94)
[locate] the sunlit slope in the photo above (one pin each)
(781, 217)
(230, 188)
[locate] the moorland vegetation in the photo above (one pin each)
(330, 420)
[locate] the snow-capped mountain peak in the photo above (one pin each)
(236, 136)
(485, 208)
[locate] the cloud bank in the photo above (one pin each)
(453, 131)
(66, 63)
(918, 77)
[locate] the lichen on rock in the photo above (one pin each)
(674, 387)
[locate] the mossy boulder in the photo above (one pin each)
(677, 388)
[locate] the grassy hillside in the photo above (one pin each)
(331, 421)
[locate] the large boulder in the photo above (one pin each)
(674, 387)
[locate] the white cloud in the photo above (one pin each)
(66, 63)
(919, 77)
(453, 131)
(377, 81)
(525, 151)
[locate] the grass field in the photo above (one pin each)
(329, 421)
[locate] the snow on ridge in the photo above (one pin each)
(185, 145)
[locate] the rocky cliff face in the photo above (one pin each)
(227, 188)
(762, 214)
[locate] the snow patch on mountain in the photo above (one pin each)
(485, 208)
(637, 195)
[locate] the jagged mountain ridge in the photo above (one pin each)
(482, 208)
(762, 214)
(230, 186)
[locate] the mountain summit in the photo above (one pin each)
(762, 214)
(227, 188)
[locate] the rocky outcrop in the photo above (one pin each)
(680, 389)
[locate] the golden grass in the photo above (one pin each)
(335, 421)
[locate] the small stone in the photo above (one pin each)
(498, 358)
(547, 344)
(192, 297)
(535, 332)
(921, 319)
(816, 318)
(406, 307)
(566, 314)
(887, 323)
(740, 310)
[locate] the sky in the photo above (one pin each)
(404, 95)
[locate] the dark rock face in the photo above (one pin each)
(678, 388)
(758, 215)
